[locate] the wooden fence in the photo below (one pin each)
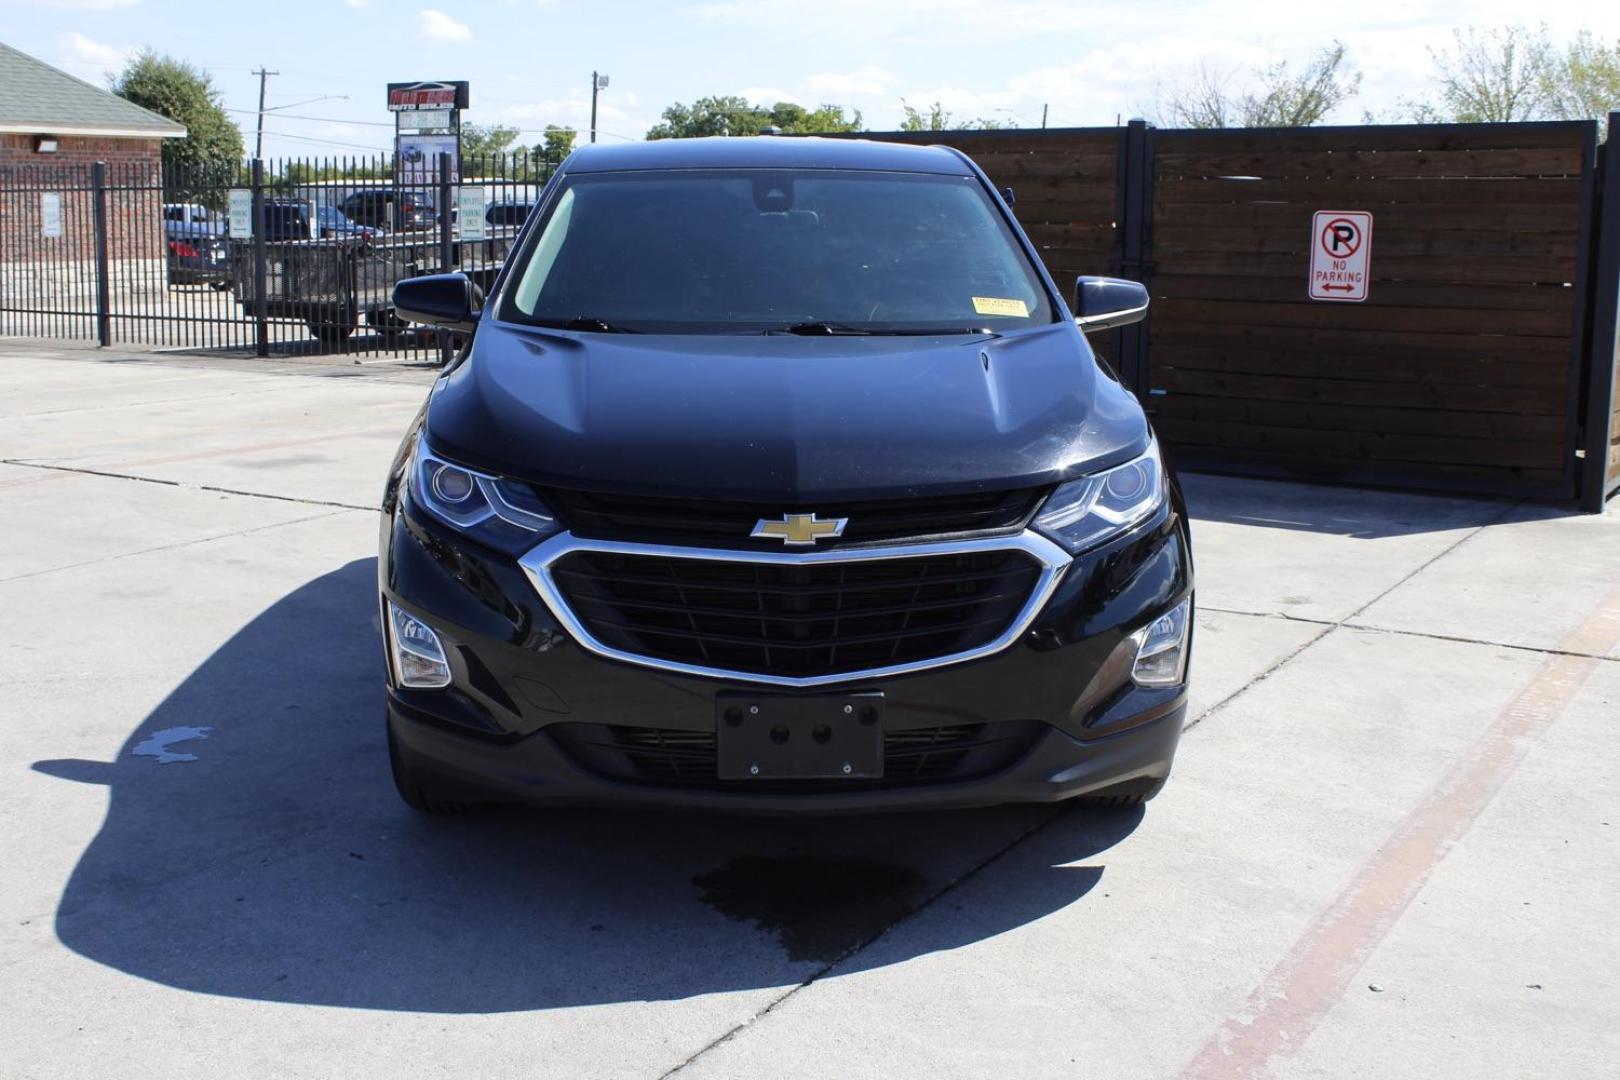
(1473, 364)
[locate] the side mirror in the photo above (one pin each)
(1101, 303)
(448, 300)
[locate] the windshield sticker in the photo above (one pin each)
(996, 305)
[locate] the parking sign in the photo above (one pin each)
(1341, 248)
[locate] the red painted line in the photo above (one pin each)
(1291, 1001)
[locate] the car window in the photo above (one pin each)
(737, 250)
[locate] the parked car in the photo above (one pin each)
(777, 475)
(512, 214)
(191, 214)
(198, 253)
(330, 223)
(388, 208)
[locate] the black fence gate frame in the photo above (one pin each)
(1602, 336)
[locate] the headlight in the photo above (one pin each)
(1082, 513)
(500, 512)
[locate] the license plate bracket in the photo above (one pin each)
(799, 737)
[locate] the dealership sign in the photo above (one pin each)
(1341, 247)
(411, 96)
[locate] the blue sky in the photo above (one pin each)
(529, 61)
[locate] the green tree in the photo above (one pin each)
(937, 119)
(212, 148)
(1277, 96)
(1582, 81)
(1489, 76)
(557, 144)
(734, 115)
(487, 140)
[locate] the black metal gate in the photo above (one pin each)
(130, 253)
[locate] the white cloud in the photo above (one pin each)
(358, 3)
(437, 26)
(76, 50)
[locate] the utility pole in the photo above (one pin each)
(598, 82)
(1043, 116)
(258, 141)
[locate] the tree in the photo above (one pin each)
(486, 141)
(734, 115)
(1490, 76)
(558, 143)
(937, 119)
(1279, 97)
(1288, 100)
(205, 160)
(1583, 80)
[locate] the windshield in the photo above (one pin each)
(754, 250)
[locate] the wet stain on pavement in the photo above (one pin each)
(818, 908)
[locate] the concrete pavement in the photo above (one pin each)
(1401, 774)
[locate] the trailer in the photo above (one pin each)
(334, 285)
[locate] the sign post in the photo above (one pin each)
(430, 112)
(1341, 249)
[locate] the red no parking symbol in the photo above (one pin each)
(1341, 245)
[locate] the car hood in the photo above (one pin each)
(783, 417)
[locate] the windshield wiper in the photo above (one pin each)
(828, 329)
(585, 322)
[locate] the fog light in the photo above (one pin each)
(419, 660)
(1161, 648)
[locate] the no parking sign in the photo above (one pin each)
(1341, 245)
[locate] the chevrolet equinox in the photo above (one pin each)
(775, 473)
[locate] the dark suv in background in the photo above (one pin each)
(387, 208)
(778, 475)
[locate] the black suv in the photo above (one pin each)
(388, 208)
(776, 474)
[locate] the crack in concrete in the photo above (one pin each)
(1283, 616)
(24, 464)
(1328, 627)
(826, 969)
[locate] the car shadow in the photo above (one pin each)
(253, 847)
(1359, 513)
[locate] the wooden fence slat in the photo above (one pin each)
(1345, 415)
(1510, 269)
(1428, 242)
(1369, 192)
(1290, 289)
(1433, 400)
(1428, 137)
(1488, 218)
(1387, 164)
(1364, 317)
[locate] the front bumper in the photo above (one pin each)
(524, 688)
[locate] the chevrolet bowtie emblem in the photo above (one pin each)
(799, 530)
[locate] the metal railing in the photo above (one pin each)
(138, 253)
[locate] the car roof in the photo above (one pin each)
(769, 152)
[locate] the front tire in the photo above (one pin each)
(419, 787)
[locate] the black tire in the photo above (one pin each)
(420, 789)
(334, 330)
(1130, 793)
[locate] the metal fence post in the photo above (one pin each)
(1603, 339)
(261, 320)
(447, 241)
(1135, 200)
(98, 199)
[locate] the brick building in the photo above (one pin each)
(53, 127)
